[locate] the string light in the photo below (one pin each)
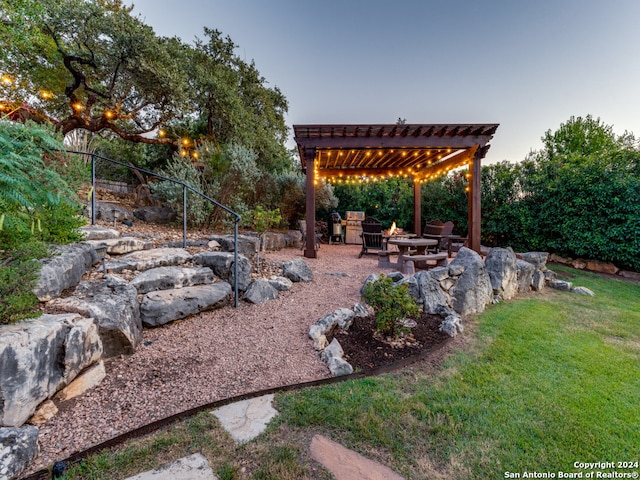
(6, 79)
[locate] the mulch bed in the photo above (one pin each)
(365, 352)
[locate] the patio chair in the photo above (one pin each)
(302, 226)
(439, 231)
(371, 236)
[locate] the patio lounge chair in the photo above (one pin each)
(371, 236)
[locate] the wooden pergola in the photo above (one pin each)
(418, 151)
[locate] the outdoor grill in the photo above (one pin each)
(354, 227)
(335, 227)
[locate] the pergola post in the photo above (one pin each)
(417, 208)
(310, 247)
(475, 194)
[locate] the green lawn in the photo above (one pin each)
(543, 381)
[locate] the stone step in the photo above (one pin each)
(122, 245)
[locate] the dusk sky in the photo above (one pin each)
(527, 65)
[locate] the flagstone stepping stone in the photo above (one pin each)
(247, 419)
(346, 464)
(193, 467)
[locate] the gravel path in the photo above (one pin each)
(211, 356)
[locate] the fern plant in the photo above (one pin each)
(31, 194)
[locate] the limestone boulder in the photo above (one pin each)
(537, 259)
(281, 284)
(114, 305)
(297, 270)
(248, 245)
(561, 285)
(333, 356)
(148, 259)
(40, 356)
(18, 449)
(602, 267)
(64, 269)
(340, 318)
(472, 292)
(109, 212)
(153, 214)
(411, 283)
(538, 280)
(432, 295)
(452, 325)
(159, 308)
(273, 241)
(502, 267)
(95, 232)
(222, 264)
(122, 245)
(525, 275)
(260, 291)
(168, 278)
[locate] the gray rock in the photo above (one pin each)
(560, 285)
(537, 259)
(122, 245)
(395, 276)
(114, 306)
(431, 294)
(338, 366)
(452, 325)
(502, 267)
(222, 264)
(282, 284)
(105, 211)
(247, 245)
(549, 275)
(168, 278)
(360, 310)
(333, 355)
(260, 291)
(473, 292)
(538, 280)
(64, 269)
(273, 241)
(374, 277)
(18, 448)
(95, 232)
(583, 291)
(158, 308)
(412, 286)
(148, 259)
(293, 238)
(297, 270)
(324, 326)
(151, 214)
(525, 275)
(344, 317)
(39, 357)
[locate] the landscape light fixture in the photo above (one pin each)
(101, 253)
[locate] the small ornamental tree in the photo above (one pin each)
(392, 304)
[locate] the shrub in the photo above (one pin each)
(391, 304)
(18, 276)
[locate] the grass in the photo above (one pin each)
(547, 380)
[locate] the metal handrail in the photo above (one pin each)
(185, 187)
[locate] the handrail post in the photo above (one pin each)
(184, 216)
(93, 189)
(235, 259)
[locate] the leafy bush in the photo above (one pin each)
(391, 304)
(265, 219)
(18, 276)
